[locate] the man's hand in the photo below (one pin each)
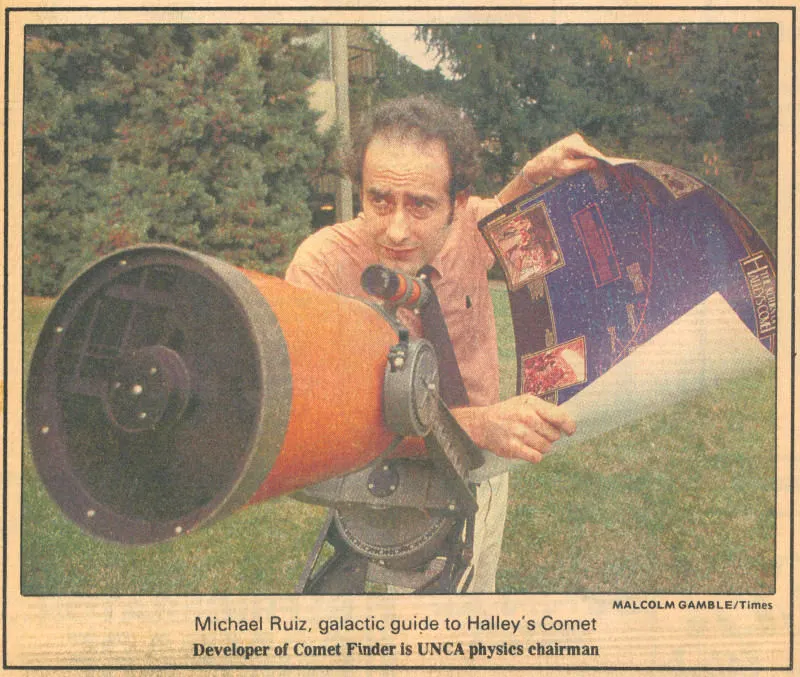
(522, 427)
(564, 158)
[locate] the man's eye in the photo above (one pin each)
(380, 201)
(421, 207)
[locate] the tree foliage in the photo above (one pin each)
(398, 77)
(699, 97)
(199, 136)
(66, 157)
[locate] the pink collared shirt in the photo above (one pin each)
(333, 258)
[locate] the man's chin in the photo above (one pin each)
(406, 266)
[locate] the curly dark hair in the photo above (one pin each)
(419, 118)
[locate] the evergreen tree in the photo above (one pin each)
(195, 135)
(699, 97)
(397, 77)
(68, 124)
(219, 144)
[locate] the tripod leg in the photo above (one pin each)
(457, 572)
(343, 572)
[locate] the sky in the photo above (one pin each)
(401, 38)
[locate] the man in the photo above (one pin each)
(414, 161)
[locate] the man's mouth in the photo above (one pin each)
(399, 253)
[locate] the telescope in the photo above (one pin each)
(169, 389)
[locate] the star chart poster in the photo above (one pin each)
(637, 296)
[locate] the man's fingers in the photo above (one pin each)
(527, 453)
(582, 164)
(538, 424)
(521, 427)
(528, 435)
(554, 415)
(535, 441)
(579, 144)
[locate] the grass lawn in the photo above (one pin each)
(682, 501)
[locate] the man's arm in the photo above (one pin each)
(300, 276)
(564, 158)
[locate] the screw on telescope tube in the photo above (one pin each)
(90, 513)
(137, 389)
(45, 429)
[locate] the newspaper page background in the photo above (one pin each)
(96, 634)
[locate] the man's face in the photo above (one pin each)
(406, 200)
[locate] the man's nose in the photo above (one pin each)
(397, 229)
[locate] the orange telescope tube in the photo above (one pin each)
(337, 351)
(168, 389)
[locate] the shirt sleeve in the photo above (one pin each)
(309, 268)
(309, 277)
